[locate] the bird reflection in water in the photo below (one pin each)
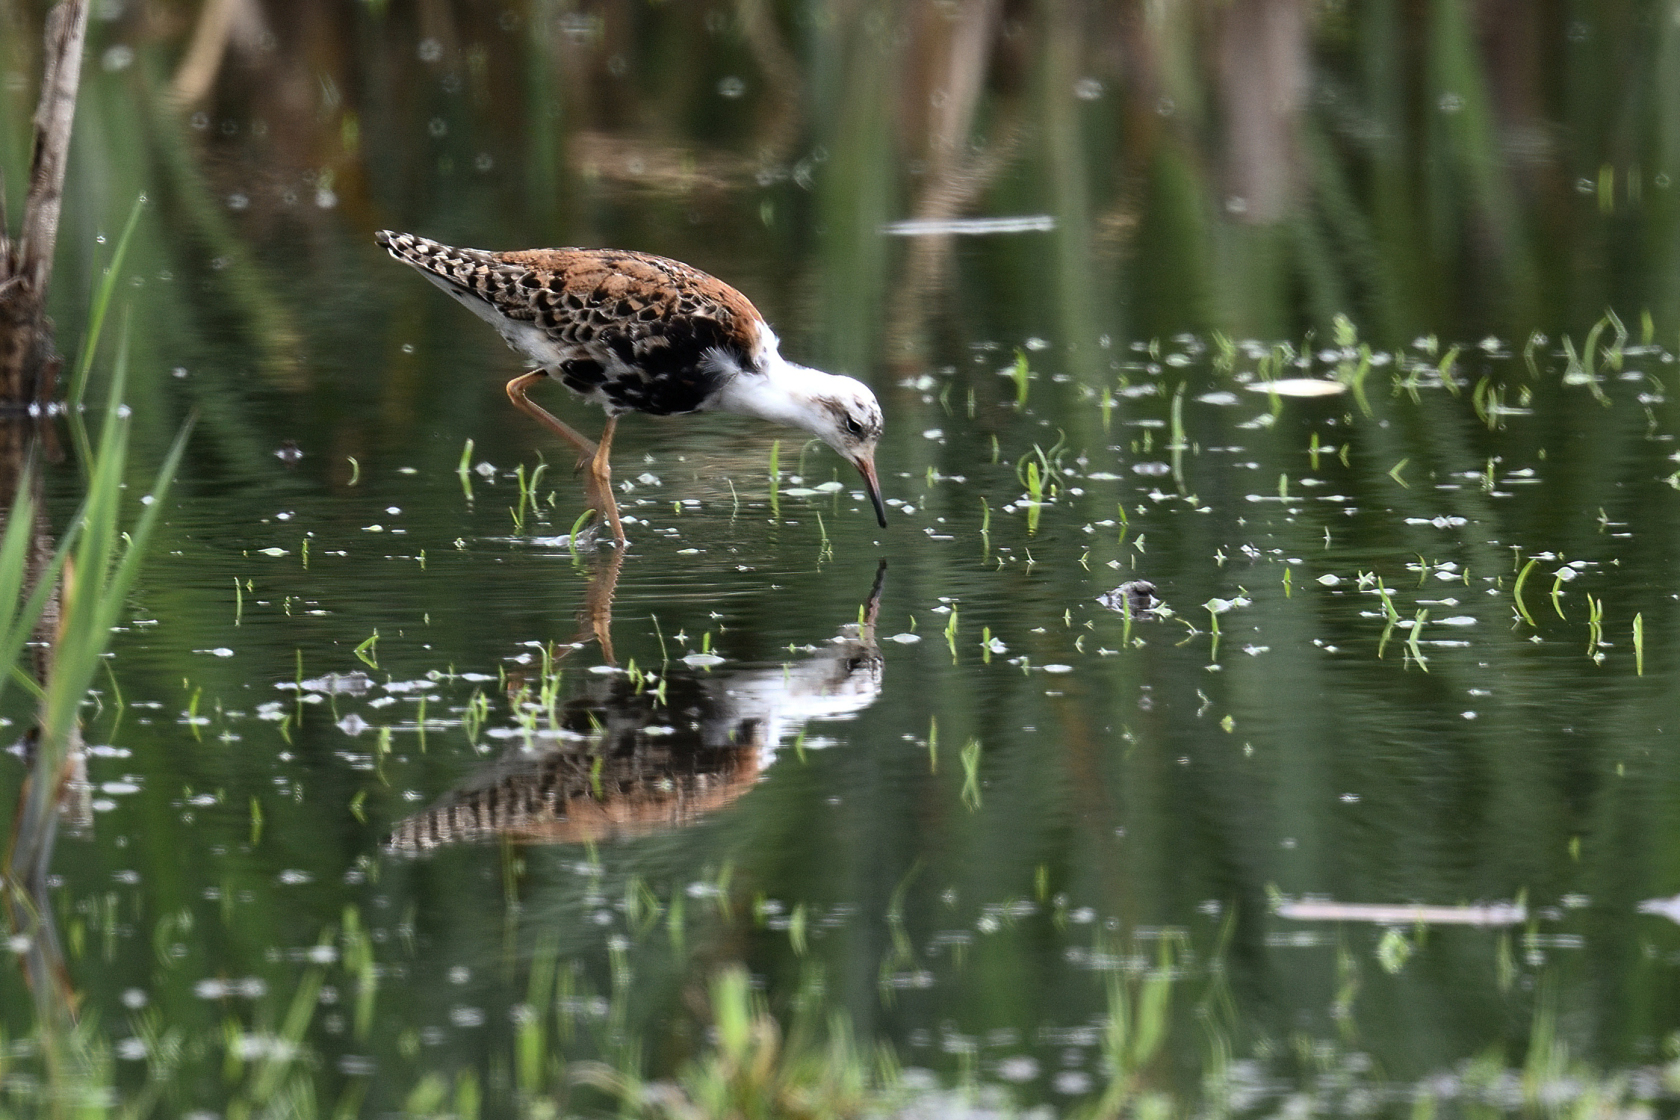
(626, 762)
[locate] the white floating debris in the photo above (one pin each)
(1662, 907)
(355, 683)
(1299, 387)
(272, 551)
(702, 660)
(1058, 668)
(1492, 914)
(906, 639)
(932, 227)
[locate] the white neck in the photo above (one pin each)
(783, 394)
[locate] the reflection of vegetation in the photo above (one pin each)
(99, 562)
(750, 1071)
(103, 564)
(20, 603)
(746, 1063)
(70, 600)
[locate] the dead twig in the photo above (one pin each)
(66, 31)
(26, 269)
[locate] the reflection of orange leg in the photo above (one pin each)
(595, 616)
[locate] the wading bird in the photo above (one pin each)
(638, 333)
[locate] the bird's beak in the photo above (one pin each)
(866, 467)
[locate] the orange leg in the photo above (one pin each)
(516, 393)
(600, 474)
(591, 455)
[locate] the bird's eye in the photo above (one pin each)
(853, 428)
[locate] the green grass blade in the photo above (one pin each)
(101, 305)
(1516, 592)
(17, 615)
(14, 551)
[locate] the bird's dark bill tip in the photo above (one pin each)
(873, 485)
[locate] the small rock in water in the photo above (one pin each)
(1137, 596)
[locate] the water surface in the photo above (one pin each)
(363, 728)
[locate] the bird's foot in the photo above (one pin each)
(599, 499)
(597, 492)
(595, 533)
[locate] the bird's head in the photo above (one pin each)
(841, 411)
(847, 417)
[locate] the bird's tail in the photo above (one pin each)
(464, 268)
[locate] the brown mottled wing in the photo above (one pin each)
(636, 329)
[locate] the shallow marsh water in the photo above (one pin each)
(1416, 647)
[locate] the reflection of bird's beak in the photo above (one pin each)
(866, 467)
